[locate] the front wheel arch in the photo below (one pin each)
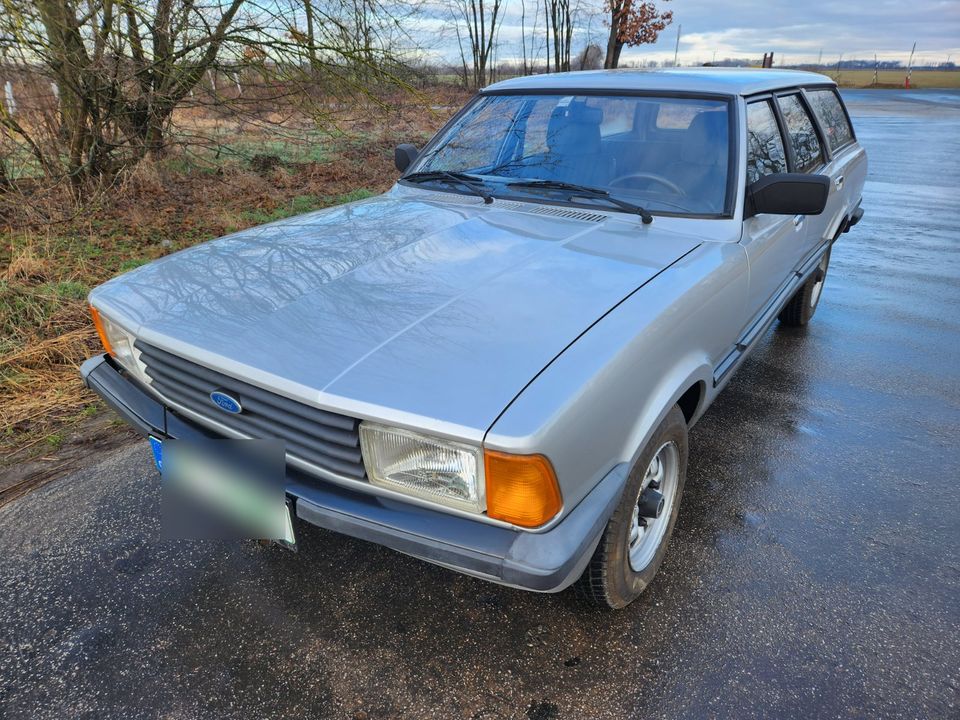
(691, 399)
(610, 579)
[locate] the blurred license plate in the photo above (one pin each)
(225, 489)
(156, 444)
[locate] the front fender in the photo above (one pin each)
(597, 404)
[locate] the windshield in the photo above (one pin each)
(668, 155)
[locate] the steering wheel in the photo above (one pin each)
(660, 180)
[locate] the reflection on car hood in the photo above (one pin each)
(428, 309)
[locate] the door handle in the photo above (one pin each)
(839, 182)
(798, 220)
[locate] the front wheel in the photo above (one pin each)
(635, 540)
(799, 311)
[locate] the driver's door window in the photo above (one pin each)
(765, 151)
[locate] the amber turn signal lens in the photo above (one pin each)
(98, 324)
(521, 489)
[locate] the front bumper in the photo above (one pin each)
(546, 562)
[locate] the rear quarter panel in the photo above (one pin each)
(849, 163)
(597, 404)
(852, 162)
(853, 166)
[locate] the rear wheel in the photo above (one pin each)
(635, 540)
(799, 311)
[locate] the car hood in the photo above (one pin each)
(407, 307)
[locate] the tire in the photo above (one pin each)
(799, 311)
(622, 567)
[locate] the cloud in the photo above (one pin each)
(799, 30)
(854, 28)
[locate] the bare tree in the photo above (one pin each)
(465, 73)
(482, 18)
(633, 23)
(311, 37)
(523, 37)
(532, 41)
(363, 35)
(121, 67)
(560, 27)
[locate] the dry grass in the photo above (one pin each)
(53, 252)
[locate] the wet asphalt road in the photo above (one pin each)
(814, 571)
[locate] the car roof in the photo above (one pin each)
(712, 80)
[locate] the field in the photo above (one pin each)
(54, 252)
(921, 79)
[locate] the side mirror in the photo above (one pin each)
(787, 194)
(404, 155)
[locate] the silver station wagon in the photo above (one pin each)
(494, 365)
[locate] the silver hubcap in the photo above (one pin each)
(646, 533)
(818, 285)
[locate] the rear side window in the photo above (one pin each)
(765, 154)
(807, 154)
(826, 106)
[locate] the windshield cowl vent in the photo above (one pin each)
(569, 213)
(526, 207)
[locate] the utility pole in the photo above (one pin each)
(676, 50)
(906, 82)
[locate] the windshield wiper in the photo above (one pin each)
(473, 183)
(584, 191)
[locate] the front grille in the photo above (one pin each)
(322, 438)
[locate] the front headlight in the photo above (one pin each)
(119, 343)
(440, 470)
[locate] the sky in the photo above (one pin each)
(796, 32)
